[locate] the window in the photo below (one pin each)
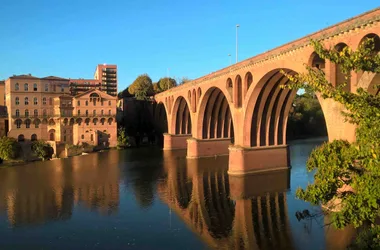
(26, 113)
(44, 112)
(62, 88)
(46, 87)
(102, 112)
(17, 86)
(109, 112)
(86, 103)
(26, 101)
(27, 123)
(17, 112)
(35, 87)
(44, 101)
(78, 103)
(94, 112)
(26, 87)
(82, 137)
(35, 101)
(86, 112)
(35, 112)
(78, 112)
(36, 124)
(17, 101)
(18, 123)
(92, 137)
(101, 102)
(109, 103)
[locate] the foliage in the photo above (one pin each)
(166, 83)
(122, 138)
(42, 150)
(9, 148)
(306, 117)
(183, 80)
(347, 178)
(141, 87)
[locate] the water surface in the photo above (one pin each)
(149, 199)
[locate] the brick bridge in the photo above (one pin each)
(241, 111)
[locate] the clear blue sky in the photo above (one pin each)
(68, 38)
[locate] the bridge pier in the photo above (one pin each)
(243, 161)
(198, 148)
(172, 142)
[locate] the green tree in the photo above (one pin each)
(183, 80)
(347, 177)
(141, 87)
(166, 83)
(42, 150)
(122, 138)
(9, 148)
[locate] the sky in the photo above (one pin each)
(158, 37)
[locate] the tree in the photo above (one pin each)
(141, 87)
(9, 148)
(347, 177)
(42, 150)
(122, 138)
(166, 83)
(183, 80)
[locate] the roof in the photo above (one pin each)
(54, 78)
(29, 76)
(101, 93)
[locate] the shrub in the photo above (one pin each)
(9, 148)
(42, 150)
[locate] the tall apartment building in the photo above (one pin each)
(44, 108)
(105, 79)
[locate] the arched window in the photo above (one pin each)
(109, 112)
(17, 112)
(21, 138)
(26, 87)
(44, 101)
(102, 112)
(87, 121)
(26, 101)
(78, 112)
(26, 113)
(18, 123)
(109, 103)
(82, 137)
(17, 86)
(92, 137)
(17, 101)
(35, 87)
(33, 137)
(86, 112)
(94, 112)
(35, 101)
(86, 103)
(46, 87)
(27, 123)
(35, 112)
(78, 104)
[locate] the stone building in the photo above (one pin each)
(43, 108)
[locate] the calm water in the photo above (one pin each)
(148, 199)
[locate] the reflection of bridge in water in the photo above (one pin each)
(48, 191)
(228, 212)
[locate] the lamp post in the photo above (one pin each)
(237, 27)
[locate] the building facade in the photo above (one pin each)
(44, 108)
(105, 79)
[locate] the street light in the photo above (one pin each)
(237, 26)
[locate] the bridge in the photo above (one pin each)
(240, 110)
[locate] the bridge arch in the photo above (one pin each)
(181, 118)
(161, 118)
(215, 119)
(267, 110)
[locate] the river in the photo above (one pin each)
(149, 199)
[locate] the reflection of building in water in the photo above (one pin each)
(200, 194)
(47, 191)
